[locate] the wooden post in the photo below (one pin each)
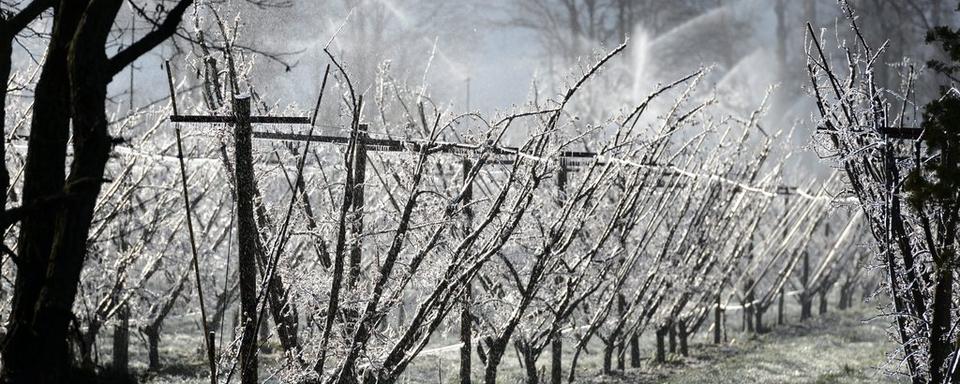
(154, 355)
(356, 227)
(247, 235)
(466, 331)
(556, 344)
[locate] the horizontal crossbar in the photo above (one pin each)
(233, 119)
(393, 145)
(902, 133)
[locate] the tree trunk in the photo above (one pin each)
(823, 301)
(672, 337)
(86, 342)
(780, 303)
(466, 336)
(25, 358)
(153, 348)
(91, 149)
(121, 342)
(661, 356)
(758, 315)
(806, 304)
(748, 306)
(6, 51)
(634, 351)
(494, 356)
(556, 358)
(940, 345)
(53, 241)
(717, 322)
(608, 347)
(529, 362)
(682, 334)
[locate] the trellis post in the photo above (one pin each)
(466, 332)
(356, 226)
(247, 235)
(556, 342)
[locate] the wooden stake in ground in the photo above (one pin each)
(466, 334)
(247, 234)
(207, 334)
(357, 189)
(556, 344)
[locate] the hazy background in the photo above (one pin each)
(491, 56)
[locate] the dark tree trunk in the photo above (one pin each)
(529, 359)
(25, 358)
(86, 343)
(823, 301)
(634, 351)
(556, 358)
(940, 345)
(717, 322)
(153, 348)
(682, 334)
(758, 315)
(806, 306)
(780, 303)
(672, 337)
(494, 356)
(661, 356)
(121, 342)
(466, 336)
(608, 347)
(6, 50)
(749, 307)
(53, 241)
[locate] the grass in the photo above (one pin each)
(836, 348)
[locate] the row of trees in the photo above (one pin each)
(899, 158)
(364, 252)
(526, 243)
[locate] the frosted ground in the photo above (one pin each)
(840, 347)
